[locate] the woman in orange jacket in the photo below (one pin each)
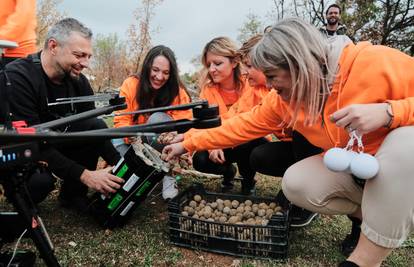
(326, 91)
(224, 85)
(158, 85)
(18, 24)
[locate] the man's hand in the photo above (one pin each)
(101, 180)
(217, 156)
(363, 118)
(171, 151)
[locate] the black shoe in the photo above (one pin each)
(81, 204)
(226, 187)
(301, 217)
(351, 240)
(348, 264)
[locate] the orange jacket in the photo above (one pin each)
(367, 74)
(18, 24)
(129, 91)
(211, 93)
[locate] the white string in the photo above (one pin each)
(355, 137)
(15, 247)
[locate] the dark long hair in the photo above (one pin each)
(147, 96)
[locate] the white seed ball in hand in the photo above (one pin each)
(364, 166)
(336, 159)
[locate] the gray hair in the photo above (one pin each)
(64, 28)
(297, 46)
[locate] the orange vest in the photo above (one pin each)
(18, 24)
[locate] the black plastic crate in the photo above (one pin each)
(263, 242)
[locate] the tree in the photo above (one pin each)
(251, 26)
(109, 65)
(386, 22)
(47, 15)
(139, 41)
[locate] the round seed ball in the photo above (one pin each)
(265, 222)
(269, 212)
(227, 203)
(240, 209)
(195, 216)
(248, 202)
(197, 198)
(207, 214)
(272, 205)
(246, 215)
(235, 203)
(223, 219)
(226, 210)
(219, 201)
(213, 205)
(248, 208)
(184, 213)
(278, 208)
(220, 206)
(203, 202)
(186, 208)
(190, 211)
(279, 213)
(261, 212)
(210, 219)
(233, 219)
(233, 212)
(262, 206)
(193, 204)
(201, 205)
(255, 209)
(251, 221)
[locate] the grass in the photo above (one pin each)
(79, 241)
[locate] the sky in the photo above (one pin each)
(183, 25)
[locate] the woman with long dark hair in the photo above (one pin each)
(157, 85)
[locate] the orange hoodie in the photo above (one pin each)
(18, 24)
(367, 74)
(129, 91)
(211, 93)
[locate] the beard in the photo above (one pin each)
(333, 21)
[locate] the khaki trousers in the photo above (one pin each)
(386, 201)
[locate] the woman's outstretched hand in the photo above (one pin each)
(363, 118)
(171, 151)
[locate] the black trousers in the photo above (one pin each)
(274, 158)
(239, 155)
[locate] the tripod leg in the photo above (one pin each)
(20, 198)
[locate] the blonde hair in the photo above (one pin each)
(297, 46)
(221, 46)
(247, 46)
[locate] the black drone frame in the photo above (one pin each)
(20, 147)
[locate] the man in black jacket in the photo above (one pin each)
(53, 73)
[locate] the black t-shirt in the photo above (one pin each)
(29, 94)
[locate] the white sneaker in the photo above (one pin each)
(169, 187)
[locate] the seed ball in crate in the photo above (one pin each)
(269, 213)
(207, 213)
(247, 208)
(227, 203)
(258, 221)
(251, 221)
(233, 219)
(220, 206)
(235, 204)
(242, 205)
(261, 212)
(265, 222)
(193, 204)
(219, 200)
(248, 202)
(255, 208)
(203, 202)
(223, 219)
(263, 206)
(276, 209)
(240, 209)
(190, 211)
(233, 212)
(279, 213)
(272, 205)
(214, 205)
(195, 216)
(197, 198)
(210, 219)
(202, 205)
(184, 213)
(226, 210)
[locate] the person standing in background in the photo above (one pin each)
(333, 24)
(18, 24)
